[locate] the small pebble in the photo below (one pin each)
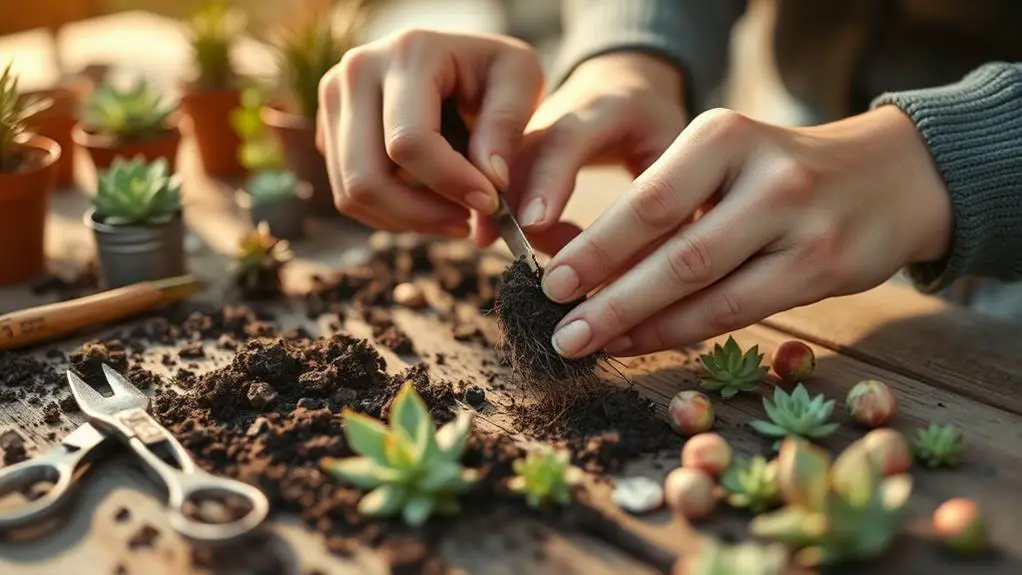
(638, 494)
(409, 295)
(475, 396)
(261, 394)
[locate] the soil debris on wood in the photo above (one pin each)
(12, 444)
(145, 537)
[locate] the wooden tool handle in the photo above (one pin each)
(34, 325)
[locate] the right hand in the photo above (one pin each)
(380, 111)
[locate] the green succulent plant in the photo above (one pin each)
(212, 31)
(411, 468)
(272, 186)
(796, 414)
(834, 512)
(259, 260)
(939, 445)
(133, 113)
(133, 192)
(307, 51)
(14, 110)
(258, 151)
(730, 370)
(752, 483)
(746, 558)
(545, 477)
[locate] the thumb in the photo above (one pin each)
(514, 86)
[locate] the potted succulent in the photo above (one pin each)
(208, 100)
(273, 194)
(58, 120)
(137, 222)
(27, 176)
(134, 121)
(307, 51)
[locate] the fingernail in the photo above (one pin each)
(481, 201)
(618, 345)
(571, 338)
(534, 212)
(561, 283)
(499, 167)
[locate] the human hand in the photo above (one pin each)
(624, 108)
(380, 113)
(791, 216)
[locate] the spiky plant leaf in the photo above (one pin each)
(730, 370)
(133, 113)
(752, 483)
(939, 445)
(14, 110)
(545, 477)
(796, 414)
(422, 474)
(259, 261)
(366, 435)
(133, 192)
(212, 31)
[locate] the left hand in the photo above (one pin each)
(785, 217)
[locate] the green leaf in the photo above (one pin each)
(400, 451)
(795, 526)
(361, 472)
(442, 475)
(802, 473)
(452, 436)
(410, 413)
(729, 392)
(823, 430)
(365, 435)
(417, 510)
(854, 475)
(768, 429)
(383, 501)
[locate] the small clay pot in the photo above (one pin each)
(103, 149)
(297, 138)
(24, 204)
(208, 112)
(286, 217)
(56, 123)
(136, 253)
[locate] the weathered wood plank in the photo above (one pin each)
(921, 337)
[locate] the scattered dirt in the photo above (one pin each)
(80, 283)
(12, 444)
(122, 515)
(144, 537)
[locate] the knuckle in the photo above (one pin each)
(725, 311)
(720, 124)
(601, 258)
(354, 65)
(411, 43)
(789, 182)
(651, 203)
(404, 146)
(615, 314)
(689, 261)
(360, 189)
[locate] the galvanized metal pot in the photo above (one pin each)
(132, 254)
(286, 217)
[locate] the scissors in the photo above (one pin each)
(122, 416)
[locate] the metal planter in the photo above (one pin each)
(285, 217)
(132, 254)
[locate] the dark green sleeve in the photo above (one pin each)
(973, 129)
(694, 35)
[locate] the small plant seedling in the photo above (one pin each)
(259, 261)
(714, 557)
(133, 192)
(871, 403)
(212, 30)
(939, 446)
(837, 511)
(411, 467)
(545, 477)
(134, 113)
(752, 483)
(794, 361)
(960, 526)
(690, 412)
(731, 371)
(796, 414)
(14, 110)
(707, 451)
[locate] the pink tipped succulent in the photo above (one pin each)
(690, 412)
(707, 451)
(959, 525)
(794, 361)
(690, 492)
(889, 451)
(871, 403)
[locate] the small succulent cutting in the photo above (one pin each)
(259, 261)
(939, 445)
(796, 414)
(133, 192)
(271, 186)
(731, 371)
(134, 113)
(837, 511)
(411, 468)
(545, 477)
(213, 29)
(746, 558)
(14, 110)
(752, 483)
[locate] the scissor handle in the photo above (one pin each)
(55, 468)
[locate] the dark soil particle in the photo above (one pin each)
(12, 444)
(144, 537)
(475, 396)
(122, 515)
(51, 413)
(88, 360)
(21, 374)
(396, 340)
(193, 350)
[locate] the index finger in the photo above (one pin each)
(696, 165)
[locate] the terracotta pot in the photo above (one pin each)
(297, 137)
(209, 122)
(24, 203)
(103, 149)
(56, 123)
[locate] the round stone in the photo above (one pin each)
(638, 494)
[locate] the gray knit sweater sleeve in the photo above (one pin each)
(974, 132)
(692, 34)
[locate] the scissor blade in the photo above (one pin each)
(513, 235)
(89, 400)
(126, 394)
